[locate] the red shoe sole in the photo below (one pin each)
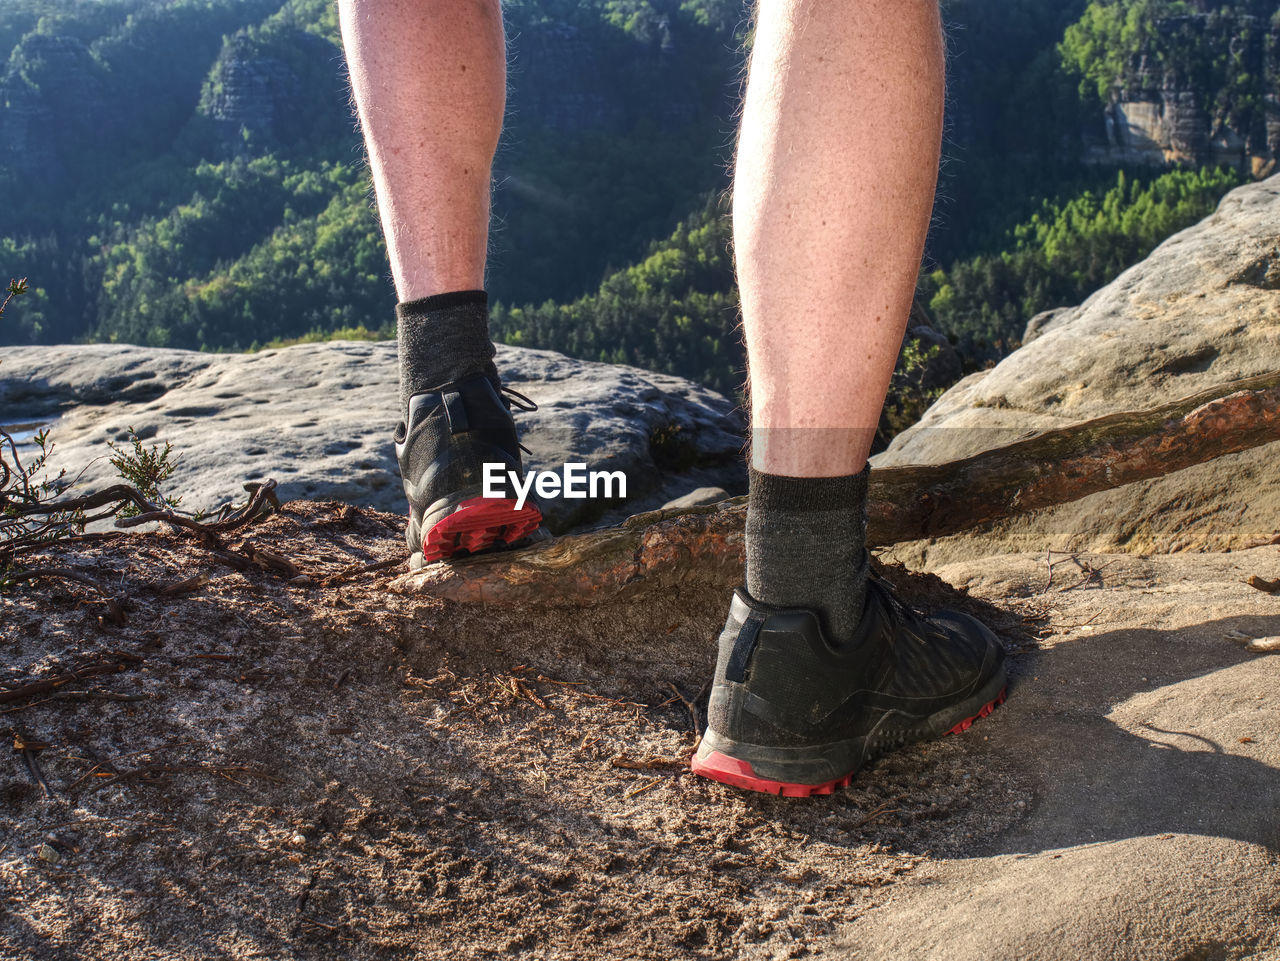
(986, 710)
(478, 524)
(727, 770)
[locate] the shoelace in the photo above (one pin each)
(514, 400)
(892, 604)
(899, 613)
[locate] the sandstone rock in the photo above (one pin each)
(53, 103)
(251, 91)
(320, 417)
(572, 95)
(1045, 321)
(1119, 807)
(1165, 112)
(700, 497)
(1203, 309)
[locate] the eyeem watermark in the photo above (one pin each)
(577, 483)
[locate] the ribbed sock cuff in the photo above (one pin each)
(454, 298)
(778, 492)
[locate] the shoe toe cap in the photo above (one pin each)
(979, 637)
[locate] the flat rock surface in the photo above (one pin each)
(342, 768)
(1150, 746)
(1203, 309)
(320, 418)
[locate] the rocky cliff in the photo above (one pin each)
(320, 417)
(1203, 309)
(250, 90)
(1201, 90)
(52, 99)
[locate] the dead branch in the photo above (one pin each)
(650, 763)
(34, 523)
(1058, 466)
(359, 570)
(663, 548)
(186, 586)
(693, 710)
(33, 768)
(1264, 585)
(45, 685)
(121, 494)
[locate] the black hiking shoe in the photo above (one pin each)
(790, 714)
(450, 433)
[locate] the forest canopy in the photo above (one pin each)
(189, 174)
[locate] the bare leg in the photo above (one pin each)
(837, 163)
(429, 78)
(836, 167)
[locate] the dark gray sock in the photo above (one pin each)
(442, 339)
(805, 542)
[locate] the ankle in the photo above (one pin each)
(442, 339)
(806, 546)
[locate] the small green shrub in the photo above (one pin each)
(146, 468)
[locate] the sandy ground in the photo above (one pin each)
(325, 769)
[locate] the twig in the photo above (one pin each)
(114, 610)
(1093, 618)
(16, 287)
(1048, 559)
(521, 689)
(24, 707)
(643, 788)
(116, 494)
(875, 813)
(106, 695)
(260, 496)
(56, 572)
(321, 924)
(34, 688)
(231, 559)
(1090, 572)
(147, 770)
(169, 517)
(193, 583)
(120, 757)
(56, 518)
(693, 710)
(573, 686)
(33, 766)
(358, 570)
(1259, 645)
(270, 560)
(649, 763)
(29, 749)
(208, 531)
